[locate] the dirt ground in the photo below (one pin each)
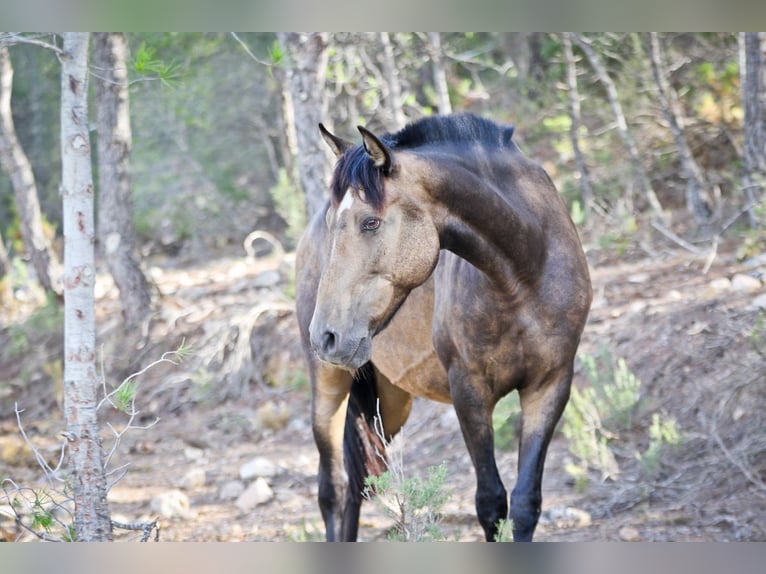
(695, 337)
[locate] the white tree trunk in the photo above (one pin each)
(15, 162)
(92, 521)
(439, 73)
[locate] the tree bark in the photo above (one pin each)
(115, 206)
(697, 196)
(753, 82)
(586, 189)
(393, 88)
(439, 73)
(92, 521)
(305, 76)
(6, 293)
(622, 124)
(16, 164)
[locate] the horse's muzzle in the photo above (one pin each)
(342, 349)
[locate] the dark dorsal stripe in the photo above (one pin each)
(357, 171)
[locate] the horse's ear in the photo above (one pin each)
(337, 145)
(376, 149)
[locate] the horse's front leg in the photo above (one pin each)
(330, 392)
(541, 408)
(473, 405)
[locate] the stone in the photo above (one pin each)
(258, 467)
(720, 284)
(265, 279)
(629, 534)
(171, 504)
(759, 302)
(231, 490)
(745, 283)
(259, 492)
(195, 478)
(271, 416)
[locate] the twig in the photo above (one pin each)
(249, 52)
(10, 38)
(676, 239)
(50, 473)
(145, 527)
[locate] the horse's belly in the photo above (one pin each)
(404, 351)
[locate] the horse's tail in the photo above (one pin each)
(364, 448)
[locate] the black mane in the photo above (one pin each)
(357, 171)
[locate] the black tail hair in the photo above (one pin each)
(364, 450)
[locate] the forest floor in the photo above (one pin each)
(695, 337)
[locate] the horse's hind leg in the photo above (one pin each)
(473, 406)
(541, 408)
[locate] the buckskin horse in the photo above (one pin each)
(445, 265)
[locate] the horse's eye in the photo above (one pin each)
(371, 224)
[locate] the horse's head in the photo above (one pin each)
(381, 244)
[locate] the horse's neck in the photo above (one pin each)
(495, 231)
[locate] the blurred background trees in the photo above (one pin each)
(635, 129)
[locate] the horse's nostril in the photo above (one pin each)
(328, 341)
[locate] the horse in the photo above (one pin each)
(444, 265)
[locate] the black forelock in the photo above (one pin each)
(356, 169)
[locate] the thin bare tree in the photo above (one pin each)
(622, 125)
(439, 72)
(305, 75)
(92, 521)
(116, 233)
(392, 86)
(586, 189)
(697, 195)
(753, 82)
(16, 164)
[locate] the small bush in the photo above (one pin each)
(414, 504)
(505, 421)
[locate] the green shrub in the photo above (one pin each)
(414, 504)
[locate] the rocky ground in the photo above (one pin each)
(231, 456)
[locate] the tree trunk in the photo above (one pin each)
(115, 205)
(393, 86)
(92, 521)
(305, 75)
(6, 293)
(586, 189)
(697, 196)
(439, 73)
(622, 124)
(16, 164)
(753, 82)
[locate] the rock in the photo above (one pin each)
(629, 534)
(269, 278)
(193, 453)
(745, 283)
(720, 284)
(271, 416)
(567, 517)
(194, 478)
(638, 278)
(258, 467)
(172, 504)
(231, 490)
(759, 302)
(259, 492)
